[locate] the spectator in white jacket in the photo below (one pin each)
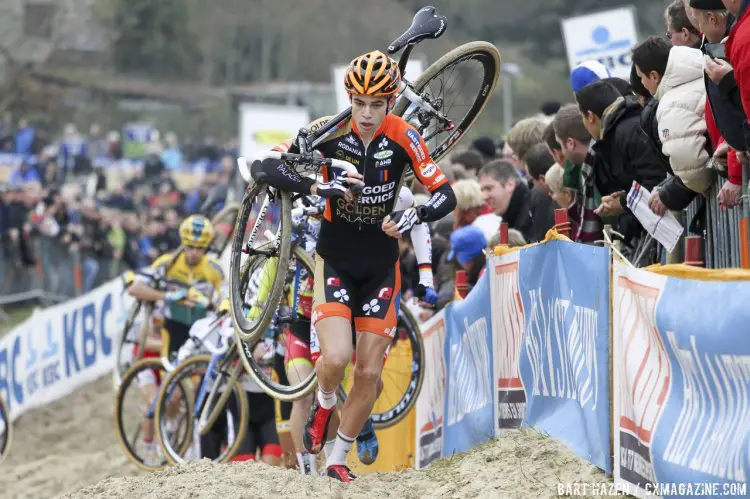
(674, 76)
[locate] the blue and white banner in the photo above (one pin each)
(469, 394)
(61, 348)
(431, 398)
(508, 324)
(564, 359)
(682, 385)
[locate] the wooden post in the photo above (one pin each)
(504, 233)
(562, 223)
(694, 251)
(462, 283)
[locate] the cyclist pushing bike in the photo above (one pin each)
(357, 277)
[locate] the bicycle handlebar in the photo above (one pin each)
(286, 156)
(244, 168)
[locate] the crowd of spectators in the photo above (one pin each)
(122, 221)
(675, 127)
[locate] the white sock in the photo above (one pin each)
(340, 450)
(326, 400)
(328, 447)
(306, 463)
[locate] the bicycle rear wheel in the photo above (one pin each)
(6, 430)
(403, 374)
(266, 212)
(134, 414)
(187, 377)
(298, 280)
(438, 86)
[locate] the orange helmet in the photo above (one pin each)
(374, 74)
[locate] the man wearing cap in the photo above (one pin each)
(467, 249)
(587, 72)
(724, 113)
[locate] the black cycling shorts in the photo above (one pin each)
(178, 334)
(370, 299)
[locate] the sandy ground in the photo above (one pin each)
(64, 446)
(522, 464)
(69, 449)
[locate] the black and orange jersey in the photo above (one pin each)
(351, 230)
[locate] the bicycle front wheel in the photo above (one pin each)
(298, 282)
(6, 430)
(135, 405)
(458, 85)
(403, 374)
(261, 245)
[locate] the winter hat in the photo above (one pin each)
(485, 146)
(587, 72)
(707, 4)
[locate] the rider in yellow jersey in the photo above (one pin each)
(193, 285)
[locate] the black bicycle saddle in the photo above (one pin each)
(426, 24)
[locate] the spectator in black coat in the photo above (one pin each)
(622, 148)
(614, 122)
(508, 196)
(537, 161)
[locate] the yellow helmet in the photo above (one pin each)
(196, 231)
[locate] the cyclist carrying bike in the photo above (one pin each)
(357, 278)
(192, 282)
(301, 352)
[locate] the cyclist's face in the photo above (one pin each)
(193, 255)
(368, 112)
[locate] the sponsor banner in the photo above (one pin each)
(263, 126)
(564, 361)
(431, 399)
(468, 409)
(61, 348)
(682, 384)
(507, 327)
(607, 37)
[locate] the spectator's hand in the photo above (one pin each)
(427, 296)
(425, 314)
(610, 206)
(720, 155)
(716, 69)
(743, 158)
(13, 233)
(730, 195)
(656, 205)
(27, 228)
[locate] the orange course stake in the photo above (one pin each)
(744, 250)
(504, 233)
(562, 223)
(694, 251)
(462, 283)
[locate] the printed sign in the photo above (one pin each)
(607, 37)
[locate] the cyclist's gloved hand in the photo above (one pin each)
(405, 219)
(335, 188)
(426, 294)
(176, 295)
(198, 298)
